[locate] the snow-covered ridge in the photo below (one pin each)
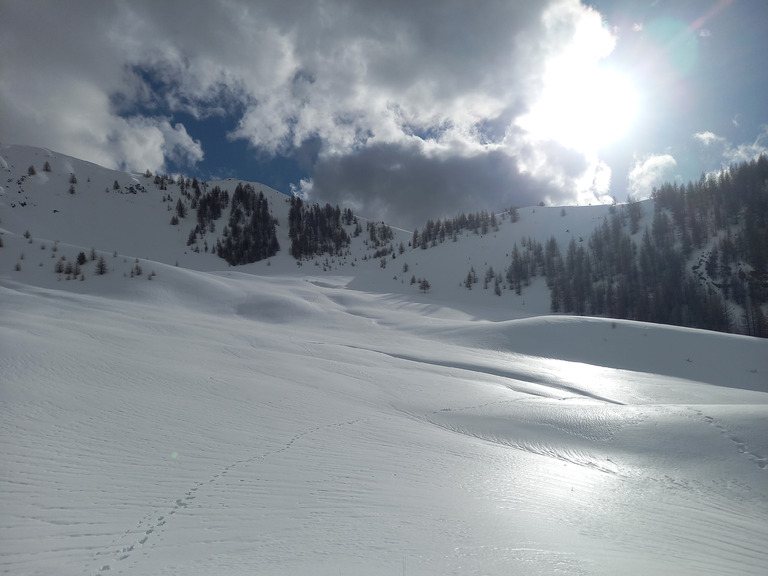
(133, 222)
(332, 419)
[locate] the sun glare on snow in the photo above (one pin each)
(583, 105)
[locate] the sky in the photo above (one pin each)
(401, 110)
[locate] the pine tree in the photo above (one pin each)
(101, 266)
(635, 213)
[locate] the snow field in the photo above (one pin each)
(145, 436)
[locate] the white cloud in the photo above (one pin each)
(65, 104)
(145, 143)
(439, 78)
(650, 172)
(720, 153)
(578, 108)
(595, 186)
(748, 151)
(708, 138)
(179, 146)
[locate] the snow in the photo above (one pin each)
(277, 419)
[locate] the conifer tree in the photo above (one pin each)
(101, 266)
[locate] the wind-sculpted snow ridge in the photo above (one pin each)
(639, 346)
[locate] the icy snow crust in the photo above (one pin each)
(284, 421)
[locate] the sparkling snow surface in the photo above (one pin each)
(285, 421)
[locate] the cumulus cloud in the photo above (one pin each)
(432, 87)
(178, 145)
(143, 143)
(58, 83)
(650, 172)
(708, 138)
(718, 152)
(748, 151)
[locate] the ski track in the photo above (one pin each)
(153, 524)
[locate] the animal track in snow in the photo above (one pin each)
(741, 446)
(147, 528)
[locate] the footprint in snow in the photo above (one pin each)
(741, 446)
(190, 495)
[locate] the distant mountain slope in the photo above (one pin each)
(130, 215)
(701, 260)
(639, 261)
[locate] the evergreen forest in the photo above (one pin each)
(701, 262)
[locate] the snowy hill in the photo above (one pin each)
(329, 417)
(132, 220)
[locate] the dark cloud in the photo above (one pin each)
(404, 186)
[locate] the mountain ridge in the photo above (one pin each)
(129, 216)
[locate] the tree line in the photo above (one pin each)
(621, 271)
(615, 275)
(436, 232)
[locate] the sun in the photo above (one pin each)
(584, 109)
(583, 104)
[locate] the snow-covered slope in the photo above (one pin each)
(281, 419)
(124, 226)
